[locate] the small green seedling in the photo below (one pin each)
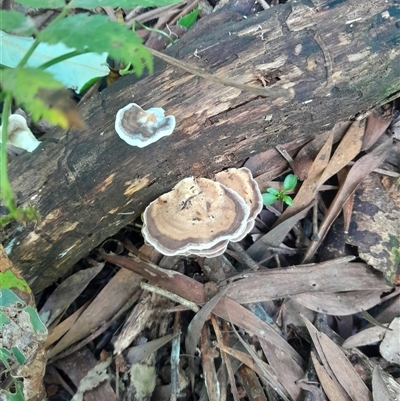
(272, 194)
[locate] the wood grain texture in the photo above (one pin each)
(80, 182)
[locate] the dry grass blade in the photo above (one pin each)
(327, 383)
(360, 169)
(308, 189)
(194, 329)
(251, 384)
(339, 366)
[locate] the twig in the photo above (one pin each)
(176, 298)
(244, 257)
(266, 92)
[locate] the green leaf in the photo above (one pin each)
(290, 182)
(75, 72)
(42, 3)
(96, 33)
(36, 322)
(17, 395)
(4, 355)
(13, 21)
(3, 319)
(9, 280)
(269, 199)
(19, 356)
(26, 85)
(120, 3)
(188, 20)
(288, 200)
(9, 298)
(273, 191)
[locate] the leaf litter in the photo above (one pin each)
(253, 330)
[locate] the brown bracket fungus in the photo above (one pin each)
(19, 135)
(138, 127)
(241, 181)
(199, 217)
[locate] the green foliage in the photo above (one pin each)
(13, 21)
(98, 34)
(42, 3)
(120, 3)
(188, 20)
(272, 194)
(39, 91)
(9, 280)
(28, 86)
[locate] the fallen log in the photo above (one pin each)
(340, 58)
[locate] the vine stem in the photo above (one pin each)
(6, 190)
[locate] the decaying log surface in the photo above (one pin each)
(339, 57)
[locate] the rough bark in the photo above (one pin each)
(340, 57)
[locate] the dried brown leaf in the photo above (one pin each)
(66, 293)
(340, 367)
(119, 289)
(360, 169)
(384, 387)
(140, 352)
(270, 164)
(172, 281)
(365, 337)
(259, 250)
(390, 345)
(329, 386)
(309, 152)
(194, 329)
(259, 366)
(332, 276)
(348, 148)
(284, 367)
(77, 366)
(308, 189)
(64, 326)
(340, 303)
(377, 123)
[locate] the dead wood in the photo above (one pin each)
(340, 58)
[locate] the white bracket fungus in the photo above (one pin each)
(200, 216)
(138, 127)
(19, 135)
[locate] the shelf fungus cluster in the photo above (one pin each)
(138, 127)
(200, 216)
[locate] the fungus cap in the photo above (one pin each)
(241, 181)
(138, 127)
(19, 134)
(199, 216)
